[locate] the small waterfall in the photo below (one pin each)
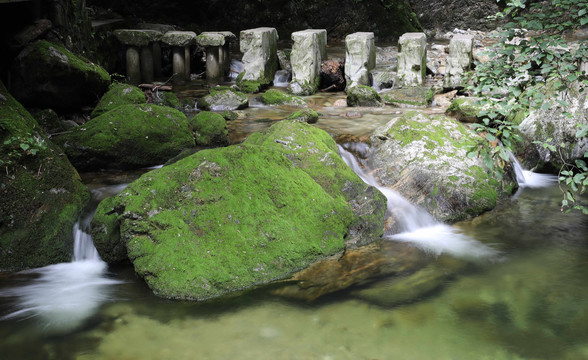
(419, 227)
(529, 179)
(236, 69)
(65, 295)
(282, 78)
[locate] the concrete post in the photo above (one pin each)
(217, 53)
(308, 50)
(133, 65)
(180, 41)
(458, 61)
(259, 48)
(360, 58)
(412, 59)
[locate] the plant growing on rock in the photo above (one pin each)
(531, 61)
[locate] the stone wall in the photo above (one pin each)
(445, 15)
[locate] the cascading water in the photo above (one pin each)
(529, 179)
(282, 78)
(419, 227)
(65, 295)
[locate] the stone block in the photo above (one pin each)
(308, 50)
(412, 59)
(132, 37)
(179, 38)
(360, 58)
(458, 61)
(259, 48)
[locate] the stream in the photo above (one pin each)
(522, 292)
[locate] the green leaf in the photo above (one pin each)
(545, 106)
(24, 146)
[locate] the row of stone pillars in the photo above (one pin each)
(259, 48)
(143, 53)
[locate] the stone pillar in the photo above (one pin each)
(157, 59)
(412, 59)
(133, 65)
(260, 60)
(308, 50)
(217, 53)
(458, 61)
(180, 41)
(360, 58)
(139, 66)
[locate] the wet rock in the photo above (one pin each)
(360, 95)
(332, 75)
(308, 50)
(556, 128)
(47, 75)
(223, 99)
(383, 79)
(306, 115)
(458, 61)
(210, 129)
(260, 62)
(118, 94)
(415, 96)
(355, 267)
(468, 109)
(445, 99)
(129, 136)
(231, 218)
(41, 194)
(360, 58)
(424, 159)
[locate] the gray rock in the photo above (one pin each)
(424, 158)
(412, 59)
(132, 37)
(259, 47)
(360, 58)
(458, 61)
(222, 100)
(360, 95)
(308, 50)
(179, 38)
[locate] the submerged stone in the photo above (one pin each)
(130, 136)
(424, 158)
(360, 95)
(223, 100)
(42, 195)
(414, 96)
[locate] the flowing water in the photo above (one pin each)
(520, 292)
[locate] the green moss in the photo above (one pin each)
(305, 87)
(168, 98)
(230, 115)
(277, 97)
(210, 129)
(42, 194)
(118, 94)
(223, 220)
(307, 115)
(43, 49)
(361, 95)
(129, 136)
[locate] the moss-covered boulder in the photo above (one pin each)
(277, 97)
(424, 158)
(118, 94)
(306, 115)
(49, 121)
(413, 96)
(223, 99)
(210, 129)
(41, 194)
(167, 98)
(47, 75)
(315, 152)
(555, 127)
(468, 109)
(230, 218)
(130, 136)
(361, 95)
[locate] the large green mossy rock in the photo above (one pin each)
(130, 136)
(469, 109)
(119, 94)
(361, 95)
(47, 75)
(277, 97)
(210, 129)
(314, 151)
(231, 218)
(219, 221)
(41, 194)
(424, 158)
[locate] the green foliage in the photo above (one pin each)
(27, 145)
(531, 51)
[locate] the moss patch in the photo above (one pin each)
(307, 115)
(210, 129)
(118, 94)
(129, 136)
(277, 97)
(41, 194)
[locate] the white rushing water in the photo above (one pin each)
(65, 295)
(419, 227)
(529, 179)
(282, 78)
